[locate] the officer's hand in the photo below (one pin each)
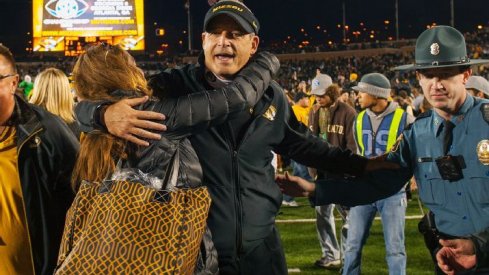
(456, 255)
(380, 162)
(123, 121)
(294, 186)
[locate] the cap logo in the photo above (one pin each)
(435, 49)
(227, 7)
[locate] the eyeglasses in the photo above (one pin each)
(5, 76)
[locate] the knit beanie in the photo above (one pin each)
(374, 84)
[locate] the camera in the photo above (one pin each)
(450, 167)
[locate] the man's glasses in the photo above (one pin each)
(5, 76)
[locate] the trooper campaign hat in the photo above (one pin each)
(439, 47)
(236, 10)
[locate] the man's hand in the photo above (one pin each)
(123, 121)
(316, 107)
(380, 162)
(412, 184)
(456, 255)
(294, 186)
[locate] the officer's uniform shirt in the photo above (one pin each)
(460, 207)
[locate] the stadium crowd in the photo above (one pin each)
(344, 70)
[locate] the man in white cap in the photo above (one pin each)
(333, 122)
(478, 86)
(375, 130)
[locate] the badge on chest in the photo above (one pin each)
(483, 151)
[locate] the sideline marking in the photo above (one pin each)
(339, 219)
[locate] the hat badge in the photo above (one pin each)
(435, 49)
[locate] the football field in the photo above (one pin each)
(298, 232)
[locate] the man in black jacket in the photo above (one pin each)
(236, 156)
(37, 155)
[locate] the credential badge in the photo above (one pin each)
(435, 49)
(483, 151)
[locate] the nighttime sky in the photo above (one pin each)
(278, 18)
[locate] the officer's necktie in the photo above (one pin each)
(447, 135)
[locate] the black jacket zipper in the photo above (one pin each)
(235, 175)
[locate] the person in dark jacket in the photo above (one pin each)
(189, 114)
(236, 156)
(37, 154)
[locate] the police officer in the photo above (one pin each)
(447, 150)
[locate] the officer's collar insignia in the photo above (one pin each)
(435, 49)
(483, 151)
(270, 113)
(485, 111)
(437, 122)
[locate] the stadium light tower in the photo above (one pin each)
(452, 13)
(397, 20)
(344, 21)
(189, 25)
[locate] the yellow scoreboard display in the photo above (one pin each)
(57, 23)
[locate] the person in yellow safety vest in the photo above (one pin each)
(375, 130)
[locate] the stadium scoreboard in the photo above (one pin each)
(68, 25)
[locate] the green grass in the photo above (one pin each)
(302, 248)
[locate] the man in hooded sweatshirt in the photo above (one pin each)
(376, 129)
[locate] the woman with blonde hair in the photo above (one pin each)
(52, 92)
(108, 73)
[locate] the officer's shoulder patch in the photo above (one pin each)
(485, 111)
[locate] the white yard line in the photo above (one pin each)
(413, 217)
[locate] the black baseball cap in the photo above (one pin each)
(299, 96)
(236, 10)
